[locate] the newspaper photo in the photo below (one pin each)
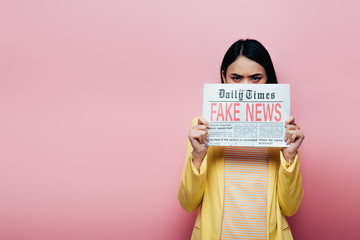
(251, 115)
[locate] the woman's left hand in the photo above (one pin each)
(293, 137)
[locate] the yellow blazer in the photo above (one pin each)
(205, 189)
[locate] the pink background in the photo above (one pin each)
(96, 99)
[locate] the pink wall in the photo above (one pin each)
(96, 98)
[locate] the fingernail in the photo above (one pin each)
(288, 142)
(208, 126)
(285, 139)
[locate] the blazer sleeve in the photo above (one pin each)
(290, 190)
(192, 183)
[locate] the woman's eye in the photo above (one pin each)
(236, 78)
(255, 79)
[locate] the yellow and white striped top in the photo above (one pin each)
(246, 171)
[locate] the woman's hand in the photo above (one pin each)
(198, 137)
(293, 136)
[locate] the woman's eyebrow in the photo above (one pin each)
(256, 75)
(236, 75)
(253, 75)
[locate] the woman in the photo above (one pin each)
(243, 193)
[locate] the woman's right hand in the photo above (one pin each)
(198, 137)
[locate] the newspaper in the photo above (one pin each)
(250, 115)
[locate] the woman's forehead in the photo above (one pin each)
(245, 66)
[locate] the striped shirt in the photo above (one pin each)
(246, 171)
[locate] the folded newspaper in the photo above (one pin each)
(250, 115)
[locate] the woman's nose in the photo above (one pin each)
(247, 81)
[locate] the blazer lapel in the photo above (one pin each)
(219, 161)
(272, 172)
(273, 156)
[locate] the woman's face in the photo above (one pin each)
(245, 71)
